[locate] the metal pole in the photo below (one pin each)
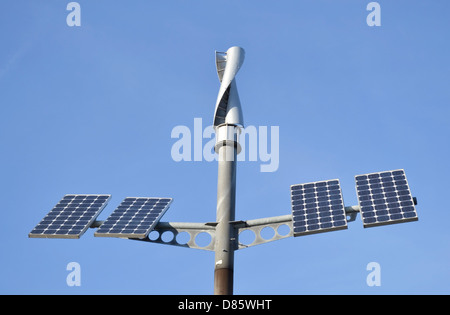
(227, 119)
(226, 196)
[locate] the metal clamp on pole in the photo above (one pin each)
(228, 135)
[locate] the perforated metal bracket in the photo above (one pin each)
(197, 235)
(202, 235)
(272, 224)
(174, 229)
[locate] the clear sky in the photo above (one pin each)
(91, 109)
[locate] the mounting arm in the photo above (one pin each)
(255, 226)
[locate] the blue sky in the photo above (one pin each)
(90, 109)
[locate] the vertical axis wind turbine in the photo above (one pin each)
(383, 198)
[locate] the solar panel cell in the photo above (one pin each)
(385, 198)
(71, 217)
(317, 207)
(134, 217)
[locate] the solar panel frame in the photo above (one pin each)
(317, 207)
(71, 216)
(385, 198)
(135, 217)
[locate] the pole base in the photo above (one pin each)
(223, 281)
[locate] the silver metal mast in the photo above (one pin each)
(225, 235)
(228, 120)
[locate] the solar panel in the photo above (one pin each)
(317, 207)
(385, 198)
(134, 217)
(71, 216)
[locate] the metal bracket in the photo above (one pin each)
(274, 223)
(167, 233)
(173, 229)
(258, 225)
(194, 229)
(351, 212)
